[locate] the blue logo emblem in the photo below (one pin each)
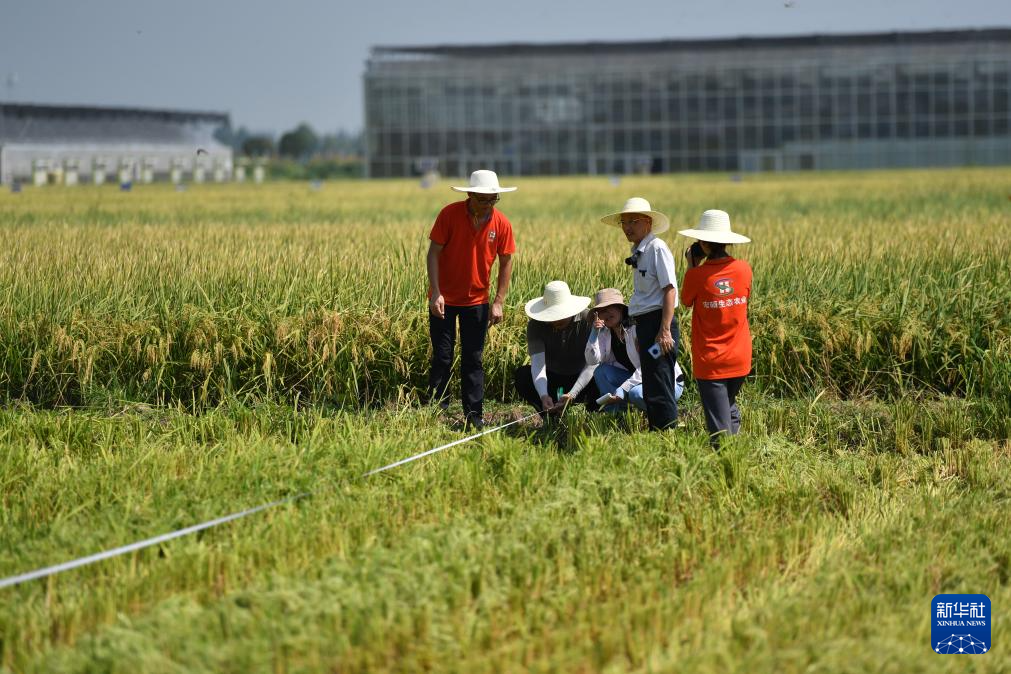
(960, 624)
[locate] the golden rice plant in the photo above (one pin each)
(878, 283)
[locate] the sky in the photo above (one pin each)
(271, 65)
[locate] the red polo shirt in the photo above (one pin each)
(468, 253)
(718, 292)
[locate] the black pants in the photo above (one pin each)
(473, 328)
(525, 387)
(657, 373)
(719, 402)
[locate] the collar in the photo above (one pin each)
(719, 260)
(470, 214)
(645, 242)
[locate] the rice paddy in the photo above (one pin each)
(169, 357)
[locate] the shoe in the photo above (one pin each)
(474, 422)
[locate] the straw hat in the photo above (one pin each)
(484, 182)
(608, 297)
(557, 303)
(714, 227)
(661, 223)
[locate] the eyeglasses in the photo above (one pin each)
(485, 200)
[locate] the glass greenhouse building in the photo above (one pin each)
(743, 104)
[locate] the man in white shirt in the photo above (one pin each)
(651, 306)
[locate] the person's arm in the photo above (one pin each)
(539, 374)
(436, 304)
(595, 347)
(666, 277)
(664, 337)
(505, 270)
(688, 290)
(692, 260)
(581, 381)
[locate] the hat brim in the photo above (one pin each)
(661, 223)
(714, 237)
(539, 311)
(484, 190)
(604, 305)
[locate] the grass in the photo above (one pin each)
(167, 358)
(809, 535)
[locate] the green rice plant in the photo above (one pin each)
(627, 551)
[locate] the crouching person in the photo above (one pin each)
(613, 349)
(558, 374)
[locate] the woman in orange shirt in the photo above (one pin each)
(717, 287)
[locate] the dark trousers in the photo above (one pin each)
(657, 373)
(524, 383)
(719, 402)
(473, 328)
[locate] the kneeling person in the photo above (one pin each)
(613, 348)
(557, 332)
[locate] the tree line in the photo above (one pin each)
(300, 144)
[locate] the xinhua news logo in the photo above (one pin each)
(960, 624)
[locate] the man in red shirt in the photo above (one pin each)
(717, 287)
(465, 240)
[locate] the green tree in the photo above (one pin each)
(258, 146)
(299, 143)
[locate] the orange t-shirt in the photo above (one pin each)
(467, 255)
(718, 292)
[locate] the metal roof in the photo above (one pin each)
(598, 48)
(29, 123)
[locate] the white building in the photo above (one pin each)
(59, 143)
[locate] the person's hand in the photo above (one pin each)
(690, 258)
(496, 314)
(665, 340)
(547, 403)
(598, 322)
(611, 399)
(559, 406)
(437, 305)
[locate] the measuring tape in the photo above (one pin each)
(178, 533)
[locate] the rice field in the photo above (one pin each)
(169, 357)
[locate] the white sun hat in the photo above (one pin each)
(557, 303)
(484, 182)
(714, 227)
(661, 223)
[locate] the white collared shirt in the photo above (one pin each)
(600, 349)
(653, 272)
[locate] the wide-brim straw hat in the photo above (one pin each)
(484, 182)
(608, 297)
(557, 303)
(714, 227)
(661, 223)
